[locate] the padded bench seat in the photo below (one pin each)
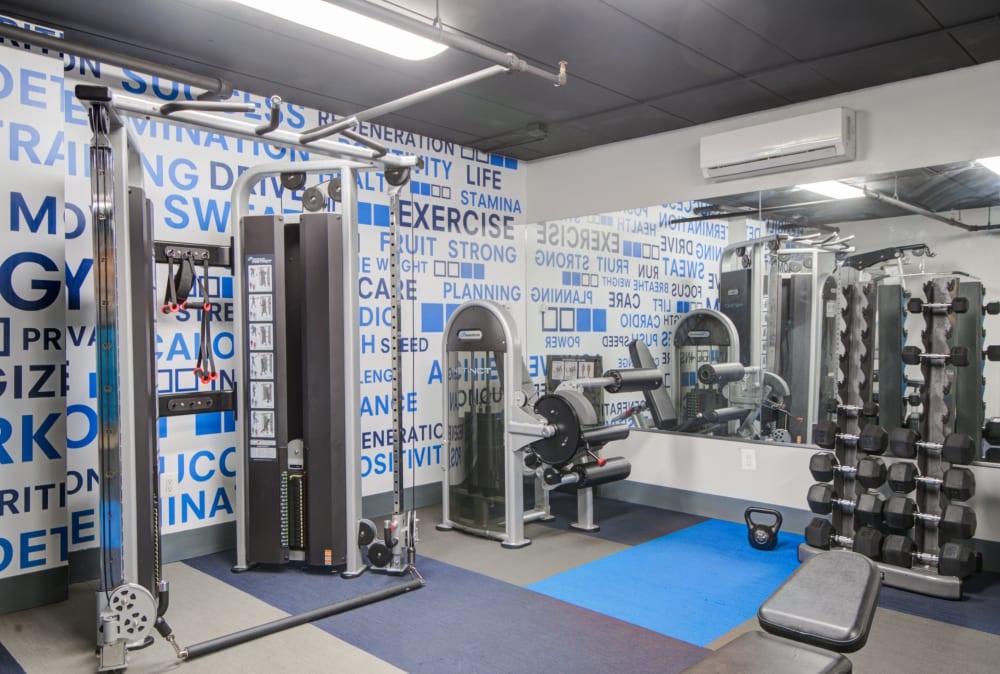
(827, 605)
(760, 653)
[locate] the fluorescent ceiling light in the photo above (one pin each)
(834, 189)
(992, 163)
(337, 21)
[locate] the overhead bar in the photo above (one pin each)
(205, 106)
(215, 87)
(399, 103)
(453, 38)
(237, 127)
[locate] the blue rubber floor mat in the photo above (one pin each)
(694, 585)
(462, 621)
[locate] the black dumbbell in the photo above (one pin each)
(869, 409)
(959, 305)
(821, 534)
(958, 521)
(958, 356)
(956, 483)
(992, 353)
(991, 431)
(873, 439)
(992, 308)
(870, 471)
(867, 509)
(913, 400)
(956, 558)
(957, 447)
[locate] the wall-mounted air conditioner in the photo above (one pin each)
(819, 138)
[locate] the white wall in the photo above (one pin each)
(929, 120)
(937, 119)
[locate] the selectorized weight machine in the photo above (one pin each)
(776, 291)
(284, 407)
(504, 456)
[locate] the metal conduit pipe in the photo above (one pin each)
(453, 38)
(906, 206)
(215, 87)
(318, 132)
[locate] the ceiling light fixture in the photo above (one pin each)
(992, 163)
(834, 189)
(343, 23)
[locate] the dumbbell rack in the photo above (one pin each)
(853, 389)
(969, 407)
(936, 423)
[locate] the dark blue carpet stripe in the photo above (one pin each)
(463, 621)
(620, 522)
(8, 665)
(694, 585)
(977, 610)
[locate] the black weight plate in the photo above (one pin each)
(561, 447)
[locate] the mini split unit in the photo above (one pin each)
(816, 139)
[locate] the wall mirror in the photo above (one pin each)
(769, 312)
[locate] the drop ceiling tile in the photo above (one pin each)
(601, 44)
(952, 12)
(543, 100)
(468, 114)
(728, 99)
(797, 83)
(522, 153)
(892, 62)
(812, 28)
(982, 40)
(629, 122)
(707, 31)
(561, 138)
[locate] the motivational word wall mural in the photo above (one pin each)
(599, 282)
(459, 240)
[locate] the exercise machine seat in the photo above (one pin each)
(829, 602)
(826, 605)
(760, 653)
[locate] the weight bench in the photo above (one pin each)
(821, 611)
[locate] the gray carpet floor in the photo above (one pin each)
(60, 637)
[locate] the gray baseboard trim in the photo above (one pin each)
(731, 509)
(696, 503)
(198, 542)
(84, 565)
(34, 589)
(990, 550)
(378, 505)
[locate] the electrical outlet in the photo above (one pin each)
(169, 484)
(748, 458)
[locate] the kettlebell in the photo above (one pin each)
(763, 536)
